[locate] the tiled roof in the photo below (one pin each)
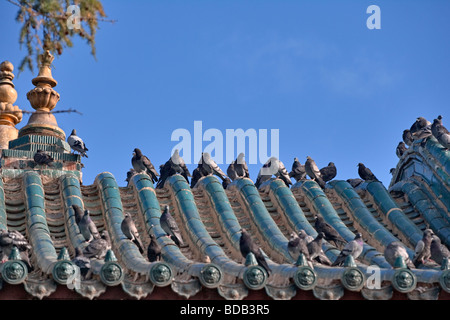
(37, 201)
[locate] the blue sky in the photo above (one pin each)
(334, 89)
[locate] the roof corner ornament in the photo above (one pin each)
(404, 280)
(255, 277)
(10, 115)
(352, 278)
(14, 271)
(111, 273)
(305, 277)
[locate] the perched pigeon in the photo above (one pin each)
(79, 213)
(330, 234)
(438, 250)
(231, 171)
(247, 245)
(130, 174)
(82, 262)
(283, 174)
(353, 248)
(240, 166)
(407, 137)
(97, 248)
(441, 133)
(131, 232)
(141, 163)
(10, 239)
(153, 250)
(315, 250)
(423, 248)
(297, 245)
(392, 171)
(419, 124)
(77, 144)
(210, 166)
(175, 165)
(329, 172)
(313, 171)
(197, 174)
(170, 226)
(87, 227)
(355, 182)
(298, 171)
(304, 236)
(397, 249)
(42, 157)
(401, 149)
(266, 172)
(226, 182)
(365, 173)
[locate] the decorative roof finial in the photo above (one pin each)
(10, 115)
(43, 98)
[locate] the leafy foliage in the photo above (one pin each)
(45, 27)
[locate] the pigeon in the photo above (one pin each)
(79, 213)
(82, 262)
(394, 250)
(42, 158)
(130, 174)
(313, 171)
(153, 250)
(315, 250)
(407, 137)
(283, 174)
(329, 172)
(226, 182)
(304, 236)
(330, 234)
(176, 159)
(365, 173)
(97, 248)
(10, 239)
(438, 250)
(298, 171)
(246, 245)
(355, 182)
(77, 144)
(197, 174)
(131, 232)
(419, 124)
(353, 248)
(441, 133)
(297, 245)
(175, 165)
(170, 226)
(231, 171)
(87, 227)
(240, 166)
(423, 251)
(265, 173)
(392, 171)
(401, 149)
(141, 163)
(210, 167)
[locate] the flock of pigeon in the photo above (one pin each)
(430, 247)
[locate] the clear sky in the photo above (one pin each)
(336, 90)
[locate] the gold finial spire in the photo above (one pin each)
(10, 115)
(43, 98)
